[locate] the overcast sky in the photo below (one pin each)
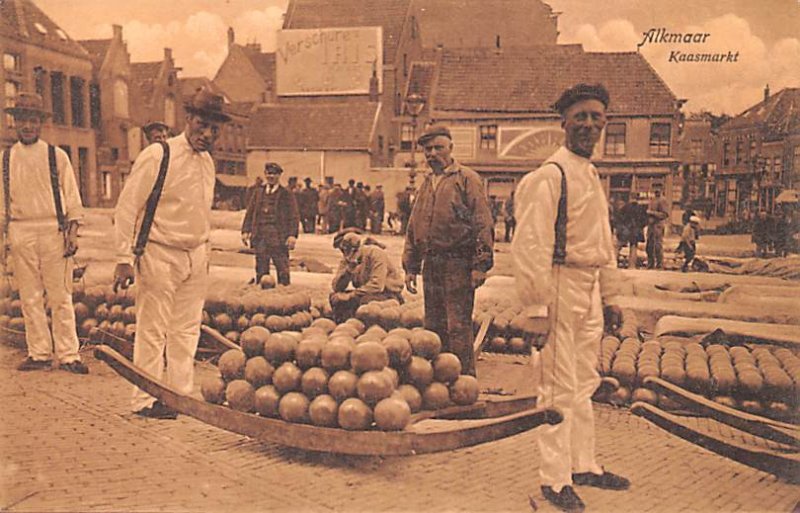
(765, 33)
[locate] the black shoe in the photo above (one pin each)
(606, 480)
(565, 500)
(158, 411)
(76, 367)
(31, 365)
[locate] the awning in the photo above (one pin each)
(788, 196)
(234, 180)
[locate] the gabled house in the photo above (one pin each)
(157, 93)
(247, 74)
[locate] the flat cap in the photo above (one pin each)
(341, 234)
(579, 93)
(273, 168)
(434, 131)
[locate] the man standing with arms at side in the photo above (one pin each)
(657, 216)
(270, 225)
(377, 210)
(564, 257)
(39, 238)
(171, 271)
(450, 238)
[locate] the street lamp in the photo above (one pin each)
(415, 102)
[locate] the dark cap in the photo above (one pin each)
(579, 93)
(206, 104)
(307, 180)
(432, 132)
(28, 104)
(155, 124)
(272, 168)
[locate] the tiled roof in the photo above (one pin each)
(336, 126)
(531, 79)
(144, 75)
(24, 21)
(264, 63)
(190, 85)
(477, 23)
(97, 49)
(779, 114)
(389, 14)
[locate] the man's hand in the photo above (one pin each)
(71, 240)
(477, 278)
(411, 282)
(290, 243)
(123, 276)
(612, 314)
(246, 239)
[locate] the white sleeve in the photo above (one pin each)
(73, 207)
(132, 200)
(536, 208)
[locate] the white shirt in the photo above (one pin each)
(30, 188)
(183, 217)
(589, 241)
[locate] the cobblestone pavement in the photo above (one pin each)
(68, 443)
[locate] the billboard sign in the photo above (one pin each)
(328, 61)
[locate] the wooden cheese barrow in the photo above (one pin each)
(428, 432)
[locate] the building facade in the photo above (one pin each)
(759, 155)
(39, 56)
(697, 154)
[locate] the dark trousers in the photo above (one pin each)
(655, 246)
(449, 299)
(376, 222)
(309, 225)
(279, 254)
(510, 225)
(343, 310)
(688, 255)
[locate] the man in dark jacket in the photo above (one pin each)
(377, 209)
(336, 204)
(270, 224)
(450, 238)
(309, 208)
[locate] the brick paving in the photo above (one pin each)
(68, 443)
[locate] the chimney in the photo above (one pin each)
(117, 32)
(167, 54)
(231, 37)
(766, 93)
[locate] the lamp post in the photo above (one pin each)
(414, 103)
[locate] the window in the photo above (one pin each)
(660, 139)
(777, 167)
(405, 64)
(796, 159)
(169, 111)
(726, 150)
(11, 89)
(380, 145)
(739, 157)
(406, 137)
(94, 105)
(696, 147)
(752, 154)
(11, 62)
(105, 179)
(76, 101)
(57, 89)
(39, 78)
(67, 150)
(114, 154)
(615, 139)
(121, 98)
(488, 137)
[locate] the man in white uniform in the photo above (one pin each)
(39, 247)
(573, 274)
(172, 273)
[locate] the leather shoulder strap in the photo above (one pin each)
(7, 190)
(152, 203)
(560, 246)
(51, 160)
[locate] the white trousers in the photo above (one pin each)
(170, 291)
(42, 272)
(569, 376)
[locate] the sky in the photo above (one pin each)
(764, 33)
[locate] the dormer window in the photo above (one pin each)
(61, 34)
(42, 30)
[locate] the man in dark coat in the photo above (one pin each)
(449, 239)
(308, 207)
(361, 206)
(336, 204)
(270, 224)
(377, 209)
